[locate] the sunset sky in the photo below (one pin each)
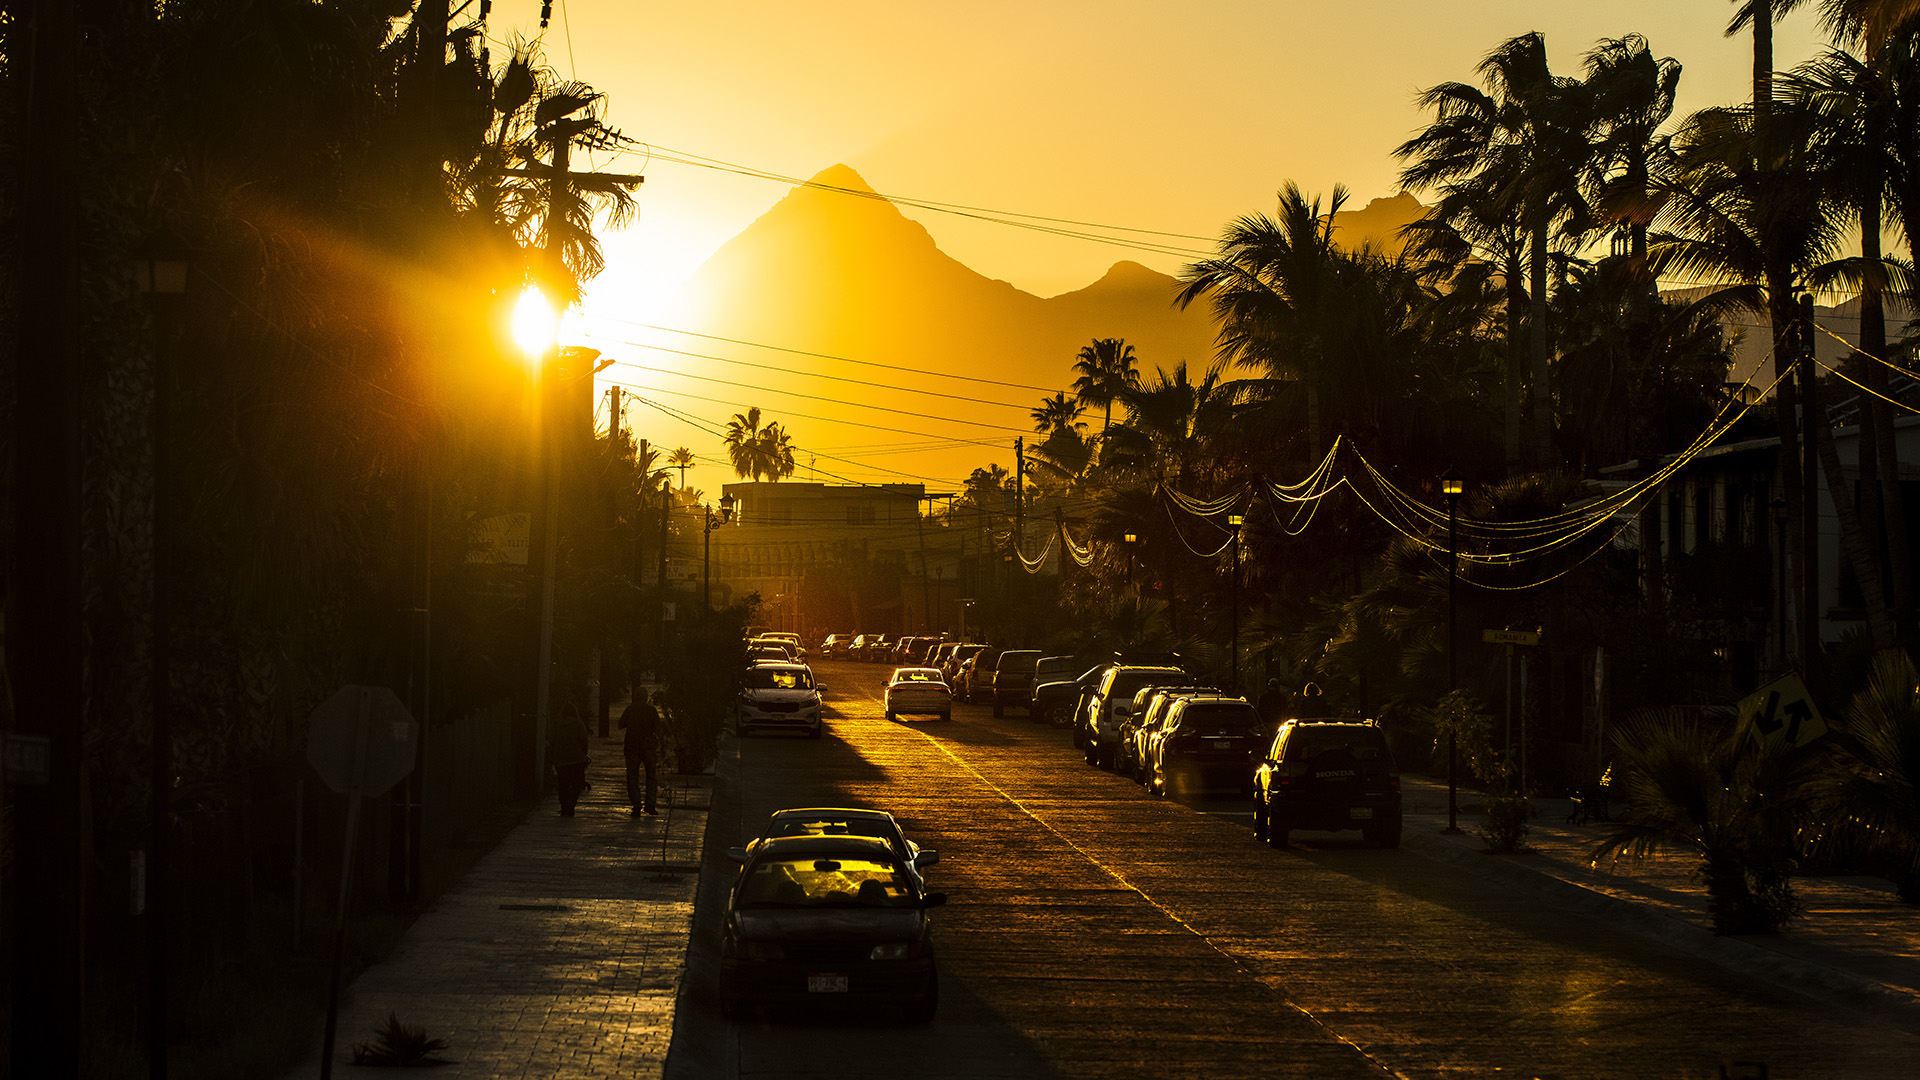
(1174, 116)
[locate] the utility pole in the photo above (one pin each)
(46, 885)
(639, 554)
(1020, 495)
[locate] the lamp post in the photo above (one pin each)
(706, 568)
(1130, 539)
(1778, 508)
(1234, 521)
(1451, 485)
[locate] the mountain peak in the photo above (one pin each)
(843, 177)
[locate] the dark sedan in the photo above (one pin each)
(827, 919)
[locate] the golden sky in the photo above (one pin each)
(1176, 115)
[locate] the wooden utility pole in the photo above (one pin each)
(46, 898)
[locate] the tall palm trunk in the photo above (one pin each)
(1516, 358)
(1780, 312)
(1540, 394)
(1879, 456)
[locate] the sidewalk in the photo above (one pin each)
(561, 954)
(1855, 944)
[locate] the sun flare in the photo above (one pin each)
(536, 325)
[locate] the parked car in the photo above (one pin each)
(1136, 731)
(780, 697)
(872, 648)
(843, 821)
(837, 645)
(918, 690)
(911, 651)
(1013, 679)
(1205, 745)
(1056, 686)
(974, 681)
(1112, 702)
(942, 655)
(956, 657)
(828, 919)
(1327, 774)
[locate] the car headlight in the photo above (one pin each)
(896, 950)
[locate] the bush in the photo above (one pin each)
(1504, 827)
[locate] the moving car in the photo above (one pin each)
(827, 919)
(777, 696)
(843, 821)
(918, 690)
(1327, 774)
(1206, 744)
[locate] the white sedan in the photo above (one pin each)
(918, 690)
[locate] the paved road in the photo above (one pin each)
(1094, 931)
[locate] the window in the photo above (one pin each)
(860, 514)
(823, 882)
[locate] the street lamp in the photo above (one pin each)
(1130, 539)
(1778, 508)
(706, 569)
(1234, 521)
(1451, 485)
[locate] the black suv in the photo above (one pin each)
(1013, 679)
(1327, 774)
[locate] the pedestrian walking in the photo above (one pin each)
(642, 746)
(567, 748)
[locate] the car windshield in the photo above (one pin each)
(1219, 719)
(1366, 744)
(770, 678)
(841, 826)
(1127, 684)
(818, 881)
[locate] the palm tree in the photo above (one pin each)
(1632, 96)
(1519, 146)
(1723, 795)
(682, 459)
(1057, 413)
(773, 453)
(1274, 286)
(1107, 368)
(1757, 209)
(1172, 423)
(743, 441)
(1855, 104)
(1873, 782)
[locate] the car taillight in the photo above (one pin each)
(897, 950)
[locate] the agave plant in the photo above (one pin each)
(1723, 794)
(1872, 783)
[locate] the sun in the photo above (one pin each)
(536, 325)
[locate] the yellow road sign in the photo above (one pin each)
(1783, 712)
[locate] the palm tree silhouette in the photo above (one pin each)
(1057, 413)
(1520, 146)
(1107, 368)
(682, 459)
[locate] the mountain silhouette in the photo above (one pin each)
(835, 269)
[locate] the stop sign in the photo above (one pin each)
(361, 740)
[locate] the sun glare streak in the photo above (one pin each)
(536, 325)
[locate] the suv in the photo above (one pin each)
(1013, 679)
(1112, 702)
(1206, 743)
(1132, 748)
(1327, 774)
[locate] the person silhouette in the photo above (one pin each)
(567, 749)
(641, 748)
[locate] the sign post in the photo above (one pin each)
(1510, 638)
(361, 742)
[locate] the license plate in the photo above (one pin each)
(826, 984)
(1223, 744)
(1363, 813)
